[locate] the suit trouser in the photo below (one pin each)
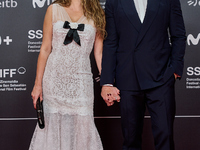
(160, 102)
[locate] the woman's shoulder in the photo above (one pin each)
(55, 5)
(50, 7)
(49, 10)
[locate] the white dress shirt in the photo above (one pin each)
(141, 6)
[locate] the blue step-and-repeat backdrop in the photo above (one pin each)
(21, 23)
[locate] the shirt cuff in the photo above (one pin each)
(108, 85)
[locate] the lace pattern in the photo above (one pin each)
(80, 134)
(67, 77)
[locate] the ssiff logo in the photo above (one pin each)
(193, 2)
(40, 3)
(6, 40)
(193, 71)
(32, 34)
(11, 72)
(191, 39)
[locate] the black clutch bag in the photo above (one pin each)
(40, 113)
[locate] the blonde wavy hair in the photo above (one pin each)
(92, 10)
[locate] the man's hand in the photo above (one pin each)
(110, 94)
(176, 76)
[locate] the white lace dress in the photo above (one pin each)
(68, 91)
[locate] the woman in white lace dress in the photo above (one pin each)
(64, 79)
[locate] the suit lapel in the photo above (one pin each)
(152, 9)
(131, 13)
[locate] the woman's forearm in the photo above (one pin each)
(42, 59)
(98, 50)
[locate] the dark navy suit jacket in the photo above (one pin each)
(138, 56)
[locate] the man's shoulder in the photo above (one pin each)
(112, 2)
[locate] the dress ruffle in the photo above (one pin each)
(66, 132)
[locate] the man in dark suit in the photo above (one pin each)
(142, 57)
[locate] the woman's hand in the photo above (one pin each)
(36, 93)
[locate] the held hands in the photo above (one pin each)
(110, 94)
(36, 93)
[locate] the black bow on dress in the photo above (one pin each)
(72, 33)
